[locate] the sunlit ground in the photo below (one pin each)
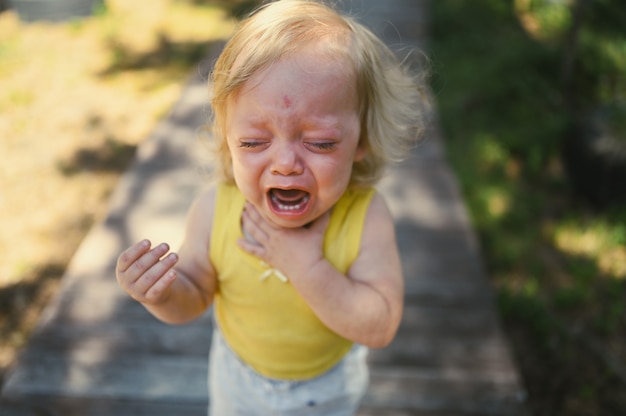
(75, 100)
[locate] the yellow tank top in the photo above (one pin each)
(265, 321)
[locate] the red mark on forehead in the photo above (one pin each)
(287, 101)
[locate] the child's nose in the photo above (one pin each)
(286, 160)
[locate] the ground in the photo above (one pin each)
(74, 108)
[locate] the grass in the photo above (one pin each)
(557, 262)
(76, 99)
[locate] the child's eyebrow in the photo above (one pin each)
(322, 123)
(256, 121)
(324, 131)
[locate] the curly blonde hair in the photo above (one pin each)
(390, 96)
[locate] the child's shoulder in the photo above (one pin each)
(358, 197)
(375, 205)
(203, 205)
(208, 196)
(220, 199)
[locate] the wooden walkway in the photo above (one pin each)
(98, 353)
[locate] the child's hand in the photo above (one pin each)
(363, 305)
(144, 274)
(293, 251)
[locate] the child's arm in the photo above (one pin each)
(180, 286)
(365, 307)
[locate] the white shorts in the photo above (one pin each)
(235, 389)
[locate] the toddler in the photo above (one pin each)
(293, 247)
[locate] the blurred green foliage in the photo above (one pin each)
(511, 78)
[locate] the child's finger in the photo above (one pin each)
(142, 285)
(254, 249)
(130, 255)
(251, 229)
(156, 291)
(252, 213)
(145, 262)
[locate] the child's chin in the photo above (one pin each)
(288, 220)
(291, 223)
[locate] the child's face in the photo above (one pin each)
(293, 135)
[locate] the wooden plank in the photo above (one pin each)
(410, 388)
(462, 320)
(405, 388)
(127, 336)
(97, 303)
(60, 406)
(479, 354)
(446, 337)
(385, 411)
(426, 193)
(92, 300)
(446, 291)
(440, 244)
(92, 373)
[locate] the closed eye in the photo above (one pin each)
(322, 146)
(251, 144)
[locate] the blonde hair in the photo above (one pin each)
(390, 98)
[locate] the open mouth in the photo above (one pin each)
(289, 200)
